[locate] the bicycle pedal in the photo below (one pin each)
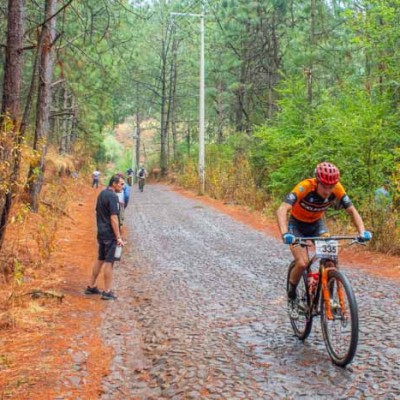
(292, 311)
(294, 314)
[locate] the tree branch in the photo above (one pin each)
(55, 14)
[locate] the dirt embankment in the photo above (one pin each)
(51, 347)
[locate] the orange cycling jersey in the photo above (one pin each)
(309, 206)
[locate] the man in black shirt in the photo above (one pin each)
(108, 236)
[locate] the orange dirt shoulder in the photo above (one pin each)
(53, 348)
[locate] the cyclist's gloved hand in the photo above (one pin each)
(288, 238)
(365, 236)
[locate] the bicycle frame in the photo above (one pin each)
(329, 295)
(324, 268)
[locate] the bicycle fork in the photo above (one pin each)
(327, 296)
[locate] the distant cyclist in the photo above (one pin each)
(306, 204)
(129, 175)
(142, 175)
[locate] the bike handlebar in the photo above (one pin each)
(354, 239)
(328, 238)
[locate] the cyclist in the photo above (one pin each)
(307, 203)
(142, 175)
(129, 174)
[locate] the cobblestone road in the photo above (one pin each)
(201, 315)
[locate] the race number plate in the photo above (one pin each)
(326, 248)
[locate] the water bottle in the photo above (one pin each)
(118, 252)
(312, 280)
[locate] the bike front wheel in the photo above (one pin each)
(301, 322)
(340, 332)
(141, 184)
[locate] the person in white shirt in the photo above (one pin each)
(96, 177)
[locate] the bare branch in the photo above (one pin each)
(31, 47)
(56, 13)
(57, 82)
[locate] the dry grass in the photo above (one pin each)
(385, 225)
(230, 182)
(188, 177)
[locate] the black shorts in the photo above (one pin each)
(306, 229)
(107, 249)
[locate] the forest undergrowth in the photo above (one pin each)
(45, 319)
(29, 243)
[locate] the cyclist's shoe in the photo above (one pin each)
(292, 309)
(108, 296)
(292, 295)
(302, 306)
(92, 290)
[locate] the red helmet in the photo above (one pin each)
(327, 173)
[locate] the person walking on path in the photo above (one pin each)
(108, 237)
(123, 198)
(96, 177)
(129, 174)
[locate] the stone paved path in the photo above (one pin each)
(201, 315)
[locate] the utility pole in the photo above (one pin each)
(202, 99)
(134, 160)
(137, 139)
(202, 111)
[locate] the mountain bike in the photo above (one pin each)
(325, 291)
(130, 179)
(141, 183)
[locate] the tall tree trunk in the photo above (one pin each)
(169, 112)
(36, 171)
(138, 161)
(164, 111)
(72, 124)
(188, 140)
(65, 119)
(241, 95)
(273, 75)
(55, 119)
(32, 88)
(309, 72)
(11, 103)
(239, 108)
(10, 107)
(220, 113)
(174, 77)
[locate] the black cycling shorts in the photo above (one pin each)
(306, 229)
(107, 249)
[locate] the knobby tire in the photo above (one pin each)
(141, 184)
(301, 326)
(332, 330)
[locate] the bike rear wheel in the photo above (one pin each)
(303, 323)
(340, 333)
